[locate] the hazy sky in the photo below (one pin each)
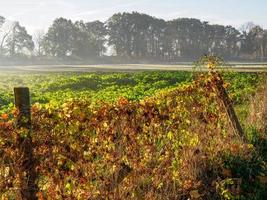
(39, 14)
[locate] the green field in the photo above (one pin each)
(56, 88)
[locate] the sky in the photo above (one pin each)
(39, 14)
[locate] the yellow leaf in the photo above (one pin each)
(105, 125)
(170, 135)
(188, 121)
(226, 85)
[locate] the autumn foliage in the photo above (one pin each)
(170, 146)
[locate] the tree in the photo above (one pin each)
(232, 38)
(90, 39)
(189, 37)
(2, 21)
(246, 39)
(60, 38)
(38, 39)
(246, 28)
(18, 41)
(256, 34)
(265, 43)
(136, 35)
(119, 36)
(142, 36)
(97, 32)
(4, 33)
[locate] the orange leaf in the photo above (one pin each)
(123, 101)
(4, 116)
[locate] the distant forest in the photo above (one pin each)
(132, 37)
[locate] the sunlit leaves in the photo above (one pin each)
(165, 140)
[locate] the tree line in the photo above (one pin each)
(135, 36)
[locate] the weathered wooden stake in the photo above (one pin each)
(22, 103)
(26, 164)
(229, 108)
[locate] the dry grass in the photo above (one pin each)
(258, 108)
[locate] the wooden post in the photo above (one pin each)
(22, 103)
(229, 107)
(26, 164)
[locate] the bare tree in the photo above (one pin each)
(247, 27)
(38, 39)
(5, 31)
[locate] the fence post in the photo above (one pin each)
(26, 164)
(22, 103)
(229, 107)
